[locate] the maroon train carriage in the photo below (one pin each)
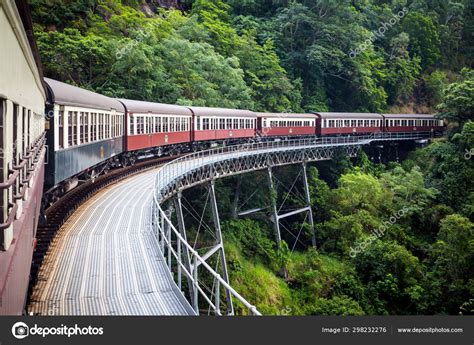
(223, 124)
(412, 123)
(348, 123)
(155, 124)
(285, 124)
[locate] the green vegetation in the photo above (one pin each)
(263, 55)
(395, 239)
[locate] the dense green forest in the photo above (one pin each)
(265, 55)
(308, 55)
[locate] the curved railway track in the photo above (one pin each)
(58, 213)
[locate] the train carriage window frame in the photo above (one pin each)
(60, 129)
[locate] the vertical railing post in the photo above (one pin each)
(219, 242)
(179, 262)
(276, 222)
(182, 231)
(217, 298)
(308, 204)
(196, 285)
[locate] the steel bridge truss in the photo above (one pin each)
(206, 166)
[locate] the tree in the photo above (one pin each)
(451, 263)
(391, 274)
(402, 72)
(424, 38)
(458, 100)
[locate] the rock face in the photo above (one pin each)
(167, 3)
(149, 7)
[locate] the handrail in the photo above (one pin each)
(183, 164)
(203, 262)
(33, 151)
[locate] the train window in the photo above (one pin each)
(83, 127)
(106, 126)
(70, 129)
(360, 123)
(92, 129)
(137, 125)
(97, 120)
(16, 110)
(229, 123)
(205, 124)
(172, 124)
(61, 130)
(165, 124)
(28, 129)
(102, 126)
(99, 126)
(157, 124)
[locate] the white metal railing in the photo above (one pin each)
(165, 230)
(178, 167)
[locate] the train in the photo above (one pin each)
(55, 136)
(88, 134)
(22, 152)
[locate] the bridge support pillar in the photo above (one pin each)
(273, 200)
(308, 205)
(220, 243)
(182, 249)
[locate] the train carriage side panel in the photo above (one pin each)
(287, 124)
(223, 124)
(152, 125)
(412, 123)
(87, 130)
(22, 98)
(349, 123)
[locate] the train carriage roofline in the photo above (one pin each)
(288, 115)
(68, 95)
(410, 116)
(325, 115)
(143, 107)
(221, 112)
